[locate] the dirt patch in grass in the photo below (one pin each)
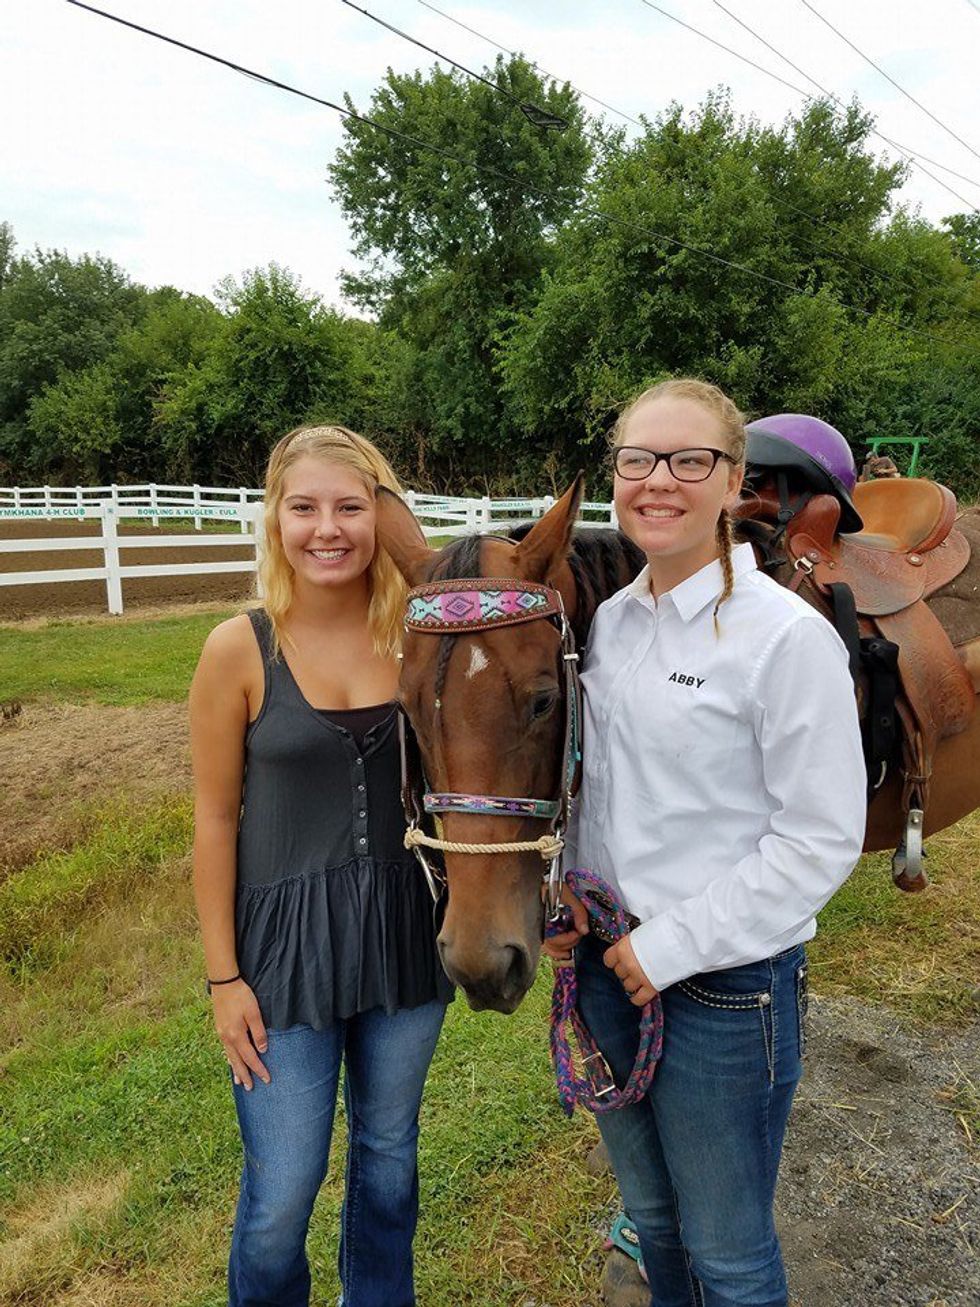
(60, 762)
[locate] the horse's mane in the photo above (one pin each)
(602, 561)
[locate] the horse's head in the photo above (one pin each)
(488, 708)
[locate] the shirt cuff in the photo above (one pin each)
(659, 952)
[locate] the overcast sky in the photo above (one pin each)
(184, 172)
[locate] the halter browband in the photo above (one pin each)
(455, 607)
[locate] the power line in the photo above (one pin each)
(532, 112)
(888, 77)
(807, 96)
(513, 54)
(487, 169)
(907, 150)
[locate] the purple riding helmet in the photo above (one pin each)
(814, 450)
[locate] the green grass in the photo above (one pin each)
(143, 1107)
(113, 662)
(119, 1153)
(44, 904)
(919, 953)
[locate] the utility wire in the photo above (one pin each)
(488, 170)
(888, 77)
(907, 150)
(807, 96)
(532, 112)
(513, 54)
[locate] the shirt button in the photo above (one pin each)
(359, 762)
(362, 813)
(362, 840)
(361, 788)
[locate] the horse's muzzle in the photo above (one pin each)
(498, 979)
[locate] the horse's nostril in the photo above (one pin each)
(516, 976)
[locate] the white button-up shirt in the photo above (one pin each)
(723, 790)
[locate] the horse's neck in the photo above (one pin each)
(601, 562)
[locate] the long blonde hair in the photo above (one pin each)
(386, 585)
(732, 422)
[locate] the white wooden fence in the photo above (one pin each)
(440, 515)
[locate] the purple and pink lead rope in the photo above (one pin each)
(596, 1090)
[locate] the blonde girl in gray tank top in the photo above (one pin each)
(317, 929)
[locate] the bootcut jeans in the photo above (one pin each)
(696, 1159)
(286, 1128)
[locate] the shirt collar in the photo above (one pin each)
(699, 590)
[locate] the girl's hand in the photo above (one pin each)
(621, 959)
(559, 947)
(241, 1030)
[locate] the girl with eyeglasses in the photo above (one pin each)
(723, 800)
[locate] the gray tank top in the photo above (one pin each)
(333, 916)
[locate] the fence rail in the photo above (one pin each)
(439, 515)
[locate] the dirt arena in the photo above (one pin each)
(68, 598)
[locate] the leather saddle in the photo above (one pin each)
(908, 549)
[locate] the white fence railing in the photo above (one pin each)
(440, 515)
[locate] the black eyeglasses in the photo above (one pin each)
(634, 464)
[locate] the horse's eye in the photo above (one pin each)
(543, 703)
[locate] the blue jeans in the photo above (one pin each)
(286, 1128)
(697, 1158)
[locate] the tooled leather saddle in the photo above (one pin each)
(874, 586)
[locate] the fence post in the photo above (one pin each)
(613, 519)
(243, 509)
(410, 499)
(485, 513)
(78, 500)
(153, 502)
(197, 507)
(16, 496)
(110, 550)
(114, 499)
(47, 498)
(258, 527)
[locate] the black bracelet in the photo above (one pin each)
(209, 984)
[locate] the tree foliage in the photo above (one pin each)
(523, 284)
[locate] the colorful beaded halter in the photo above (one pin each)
(461, 607)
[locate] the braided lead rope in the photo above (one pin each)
(549, 846)
(597, 1091)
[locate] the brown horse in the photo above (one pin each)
(488, 711)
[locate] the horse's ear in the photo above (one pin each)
(400, 535)
(546, 545)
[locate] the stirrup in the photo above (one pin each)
(908, 871)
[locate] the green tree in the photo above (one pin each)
(7, 247)
(455, 236)
(280, 358)
(641, 283)
(57, 315)
(97, 423)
